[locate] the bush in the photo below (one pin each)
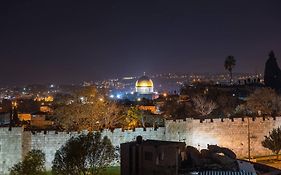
(33, 164)
(85, 154)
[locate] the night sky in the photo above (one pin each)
(71, 41)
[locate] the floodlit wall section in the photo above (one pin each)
(15, 143)
(10, 148)
(228, 133)
(51, 141)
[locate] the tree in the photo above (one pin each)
(111, 115)
(33, 164)
(62, 99)
(264, 101)
(85, 154)
(174, 109)
(203, 106)
(89, 110)
(273, 141)
(133, 118)
(225, 99)
(272, 73)
(229, 64)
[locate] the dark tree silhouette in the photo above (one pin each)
(173, 109)
(272, 73)
(264, 101)
(86, 154)
(273, 141)
(33, 164)
(203, 106)
(229, 64)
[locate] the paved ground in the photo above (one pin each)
(276, 164)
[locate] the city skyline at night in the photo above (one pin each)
(69, 42)
(121, 87)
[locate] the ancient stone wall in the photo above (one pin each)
(16, 143)
(229, 133)
(51, 141)
(233, 134)
(10, 148)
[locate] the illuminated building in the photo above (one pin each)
(144, 88)
(24, 116)
(144, 85)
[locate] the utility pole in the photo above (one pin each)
(249, 141)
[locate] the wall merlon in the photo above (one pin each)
(139, 130)
(118, 130)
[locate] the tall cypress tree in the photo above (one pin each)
(272, 73)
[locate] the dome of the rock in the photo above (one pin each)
(144, 85)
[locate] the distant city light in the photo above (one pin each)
(139, 99)
(118, 96)
(128, 78)
(111, 96)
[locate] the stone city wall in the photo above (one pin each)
(233, 134)
(51, 141)
(10, 148)
(15, 143)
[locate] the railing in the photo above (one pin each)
(225, 173)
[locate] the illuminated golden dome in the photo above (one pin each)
(144, 81)
(144, 85)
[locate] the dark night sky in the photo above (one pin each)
(70, 41)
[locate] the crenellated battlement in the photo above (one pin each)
(11, 130)
(231, 133)
(116, 130)
(149, 129)
(217, 120)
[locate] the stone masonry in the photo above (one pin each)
(15, 143)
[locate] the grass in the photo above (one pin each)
(115, 170)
